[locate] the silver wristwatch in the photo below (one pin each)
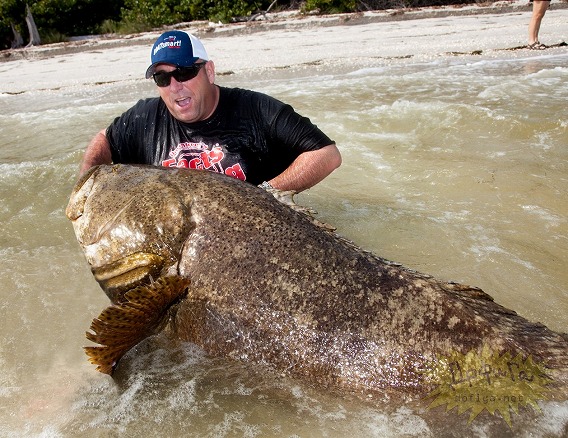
(265, 185)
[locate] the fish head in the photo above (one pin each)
(131, 226)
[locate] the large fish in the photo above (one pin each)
(244, 276)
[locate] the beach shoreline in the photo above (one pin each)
(274, 21)
(293, 41)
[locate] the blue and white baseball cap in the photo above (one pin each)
(177, 48)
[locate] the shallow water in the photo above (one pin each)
(454, 167)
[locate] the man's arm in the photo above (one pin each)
(308, 169)
(97, 152)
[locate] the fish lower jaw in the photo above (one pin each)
(125, 274)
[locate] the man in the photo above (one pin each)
(198, 124)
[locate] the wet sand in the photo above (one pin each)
(288, 43)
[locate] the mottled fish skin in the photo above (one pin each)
(270, 286)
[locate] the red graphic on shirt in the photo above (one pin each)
(210, 158)
(198, 156)
(236, 171)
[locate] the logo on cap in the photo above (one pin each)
(169, 42)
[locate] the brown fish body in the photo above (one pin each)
(268, 285)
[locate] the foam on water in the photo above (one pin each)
(174, 389)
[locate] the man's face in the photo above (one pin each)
(193, 100)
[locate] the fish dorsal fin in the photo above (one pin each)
(142, 313)
(286, 197)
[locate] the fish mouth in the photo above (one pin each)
(122, 275)
(83, 187)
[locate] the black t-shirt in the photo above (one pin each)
(250, 136)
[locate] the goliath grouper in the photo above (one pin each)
(245, 276)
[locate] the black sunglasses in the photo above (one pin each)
(180, 74)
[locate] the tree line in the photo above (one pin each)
(57, 20)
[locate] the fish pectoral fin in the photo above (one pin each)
(142, 313)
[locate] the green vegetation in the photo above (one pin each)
(57, 20)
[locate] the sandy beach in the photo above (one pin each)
(288, 43)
